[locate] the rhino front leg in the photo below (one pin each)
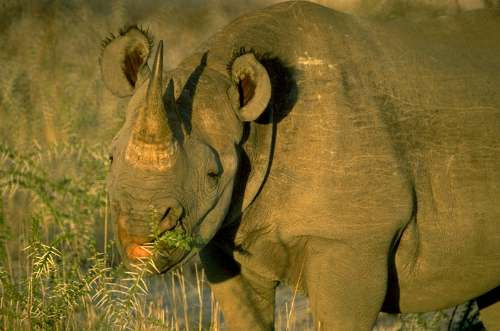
(247, 300)
(346, 286)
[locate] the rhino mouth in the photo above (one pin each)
(159, 251)
(150, 246)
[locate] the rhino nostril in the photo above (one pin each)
(170, 219)
(165, 215)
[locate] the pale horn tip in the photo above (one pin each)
(156, 81)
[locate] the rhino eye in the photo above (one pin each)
(213, 168)
(110, 157)
(213, 179)
(213, 174)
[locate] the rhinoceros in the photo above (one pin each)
(355, 159)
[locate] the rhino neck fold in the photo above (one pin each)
(256, 159)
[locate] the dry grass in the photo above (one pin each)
(53, 270)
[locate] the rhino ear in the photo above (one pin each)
(123, 60)
(253, 84)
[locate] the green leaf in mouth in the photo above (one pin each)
(177, 239)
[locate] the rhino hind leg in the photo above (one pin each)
(489, 305)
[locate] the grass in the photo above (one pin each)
(54, 272)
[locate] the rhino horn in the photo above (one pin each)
(152, 145)
(154, 94)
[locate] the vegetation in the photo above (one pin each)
(58, 267)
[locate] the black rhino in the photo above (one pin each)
(358, 159)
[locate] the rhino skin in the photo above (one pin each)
(356, 159)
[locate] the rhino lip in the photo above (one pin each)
(160, 231)
(136, 248)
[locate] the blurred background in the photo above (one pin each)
(58, 268)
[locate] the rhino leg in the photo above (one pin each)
(489, 305)
(490, 316)
(247, 300)
(346, 286)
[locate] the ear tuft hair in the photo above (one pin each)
(124, 30)
(237, 53)
(145, 31)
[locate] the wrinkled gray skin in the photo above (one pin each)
(358, 159)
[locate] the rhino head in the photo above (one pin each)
(175, 161)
